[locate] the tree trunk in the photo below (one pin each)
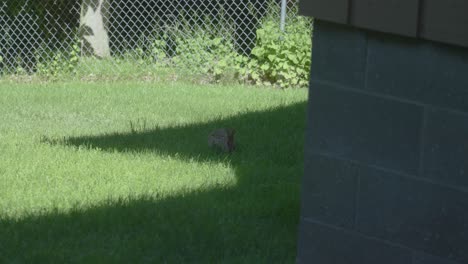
(94, 25)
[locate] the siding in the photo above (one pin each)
(437, 20)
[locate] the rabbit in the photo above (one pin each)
(223, 139)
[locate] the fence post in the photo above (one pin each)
(283, 14)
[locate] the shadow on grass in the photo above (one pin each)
(252, 222)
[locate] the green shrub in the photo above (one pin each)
(205, 54)
(281, 58)
(58, 62)
(150, 51)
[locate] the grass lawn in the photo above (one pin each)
(121, 173)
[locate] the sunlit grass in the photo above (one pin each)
(108, 172)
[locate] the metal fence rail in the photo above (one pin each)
(37, 34)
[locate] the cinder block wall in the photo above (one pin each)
(386, 169)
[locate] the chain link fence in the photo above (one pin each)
(47, 35)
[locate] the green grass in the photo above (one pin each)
(121, 173)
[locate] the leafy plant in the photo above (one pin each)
(59, 62)
(281, 58)
(158, 50)
(149, 51)
(204, 53)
